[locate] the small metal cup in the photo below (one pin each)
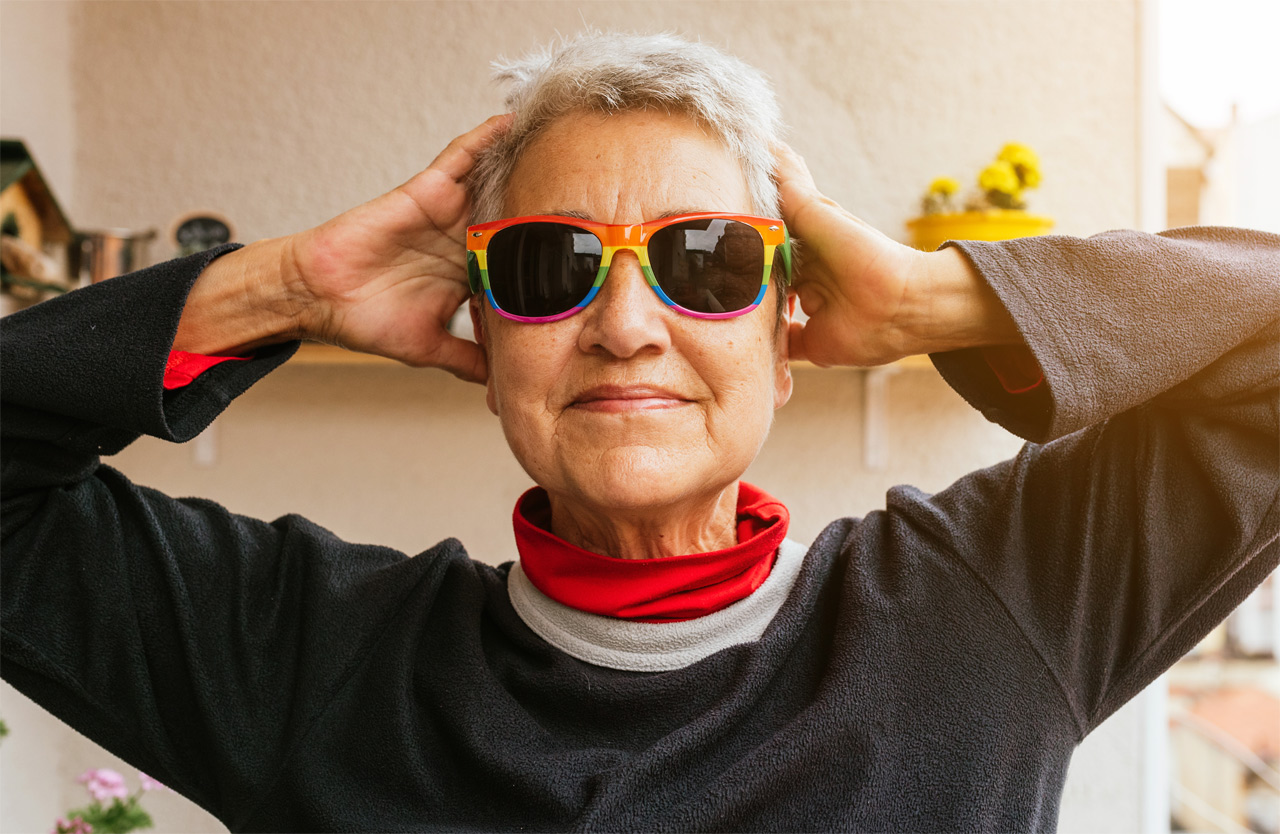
(97, 255)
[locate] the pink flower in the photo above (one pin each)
(104, 784)
(76, 826)
(149, 784)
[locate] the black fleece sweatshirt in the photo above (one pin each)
(932, 669)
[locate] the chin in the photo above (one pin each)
(640, 478)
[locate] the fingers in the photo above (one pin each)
(795, 342)
(805, 344)
(795, 185)
(810, 215)
(790, 169)
(459, 156)
(438, 192)
(461, 357)
(799, 192)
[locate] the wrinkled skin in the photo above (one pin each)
(636, 419)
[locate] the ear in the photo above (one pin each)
(782, 382)
(476, 307)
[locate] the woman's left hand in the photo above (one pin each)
(871, 300)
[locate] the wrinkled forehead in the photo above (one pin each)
(625, 168)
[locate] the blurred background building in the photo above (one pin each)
(1220, 117)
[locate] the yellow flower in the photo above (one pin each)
(1000, 177)
(945, 186)
(1025, 162)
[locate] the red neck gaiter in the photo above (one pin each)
(651, 590)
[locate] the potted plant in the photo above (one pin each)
(114, 809)
(996, 210)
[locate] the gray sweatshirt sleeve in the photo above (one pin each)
(1146, 509)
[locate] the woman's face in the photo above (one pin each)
(628, 405)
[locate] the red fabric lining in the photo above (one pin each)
(1015, 366)
(651, 590)
(182, 368)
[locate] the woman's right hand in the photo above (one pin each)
(871, 300)
(383, 278)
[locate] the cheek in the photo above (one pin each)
(738, 367)
(526, 363)
(517, 396)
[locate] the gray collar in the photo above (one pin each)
(655, 647)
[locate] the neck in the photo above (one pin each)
(699, 526)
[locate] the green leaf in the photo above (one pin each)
(119, 818)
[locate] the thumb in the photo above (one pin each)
(790, 168)
(459, 156)
(807, 211)
(811, 216)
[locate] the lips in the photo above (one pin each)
(626, 398)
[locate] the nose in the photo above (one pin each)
(626, 318)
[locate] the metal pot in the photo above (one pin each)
(94, 256)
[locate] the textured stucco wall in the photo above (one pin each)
(37, 96)
(283, 114)
(36, 89)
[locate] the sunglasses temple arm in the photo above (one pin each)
(786, 253)
(473, 273)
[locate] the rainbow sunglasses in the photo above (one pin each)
(708, 265)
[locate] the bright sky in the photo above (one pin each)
(1214, 52)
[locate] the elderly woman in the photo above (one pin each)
(661, 656)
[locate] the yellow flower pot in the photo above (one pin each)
(933, 230)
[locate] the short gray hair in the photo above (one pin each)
(612, 72)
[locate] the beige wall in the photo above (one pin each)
(36, 87)
(283, 114)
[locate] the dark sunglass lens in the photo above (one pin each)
(708, 266)
(542, 269)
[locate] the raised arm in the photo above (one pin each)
(382, 278)
(1147, 507)
(198, 644)
(871, 300)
